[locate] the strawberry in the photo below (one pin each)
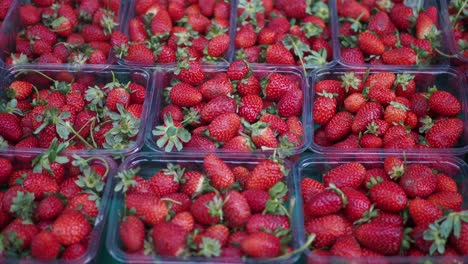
(207, 208)
(251, 105)
(394, 167)
(265, 175)
(140, 54)
(261, 245)
(161, 23)
(86, 203)
(332, 87)
(74, 251)
(237, 70)
(354, 102)
(250, 85)
(445, 183)
(327, 202)
(381, 24)
(380, 237)
(184, 95)
(191, 73)
(345, 175)
(460, 242)
(169, 239)
(445, 133)
(353, 9)
(224, 127)
(218, 106)
(339, 126)
(152, 209)
(137, 30)
(371, 111)
(388, 196)
(309, 188)
(346, 246)
(324, 108)
(352, 56)
(424, 26)
(215, 87)
(10, 128)
(446, 200)
(45, 246)
(220, 175)
(184, 220)
(395, 112)
(291, 103)
(278, 54)
(277, 86)
(400, 56)
(71, 227)
(277, 124)
(245, 37)
(418, 181)
(49, 208)
(401, 16)
(182, 202)
(370, 44)
(39, 185)
(132, 233)
(327, 229)
(236, 209)
(357, 204)
(256, 199)
(444, 103)
(423, 212)
(263, 136)
(19, 90)
(268, 222)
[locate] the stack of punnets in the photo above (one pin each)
(232, 131)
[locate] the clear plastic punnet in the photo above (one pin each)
(149, 164)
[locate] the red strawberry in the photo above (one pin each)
(161, 23)
(380, 237)
(218, 45)
(394, 167)
(140, 54)
(74, 251)
(183, 202)
(19, 90)
(224, 127)
(445, 133)
(236, 209)
(132, 233)
(388, 196)
(45, 246)
(400, 56)
(218, 106)
(370, 44)
(250, 85)
(380, 23)
(184, 95)
(339, 126)
(191, 73)
(49, 208)
(353, 9)
(418, 181)
(215, 87)
(345, 175)
(357, 204)
(184, 220)
(251, 105)
(265, 175)
(352, 56)
(261, 245)
(220, 175)
(446, 200)
(207, 209)
(371, 111)
(152, 209)
(324, 108)
(277, 86)
(71, 227)
(327, 229)
(327, 202)
(445, 183)
(424, 25)
(444, 103)
(256, 199)
(263, 136)
(10, 128)
(291, 103)
(401, 15)
(423, 212)
(245, 37)
(278, 54)
(39, 185)
(346, 246)
(169, 239)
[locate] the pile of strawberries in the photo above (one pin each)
(385, 110)
(459, 20)
(283, 32)
(4, 7)
(170, 31)
(77, 32)
(222, 210)
(388, 32)
(397, 209)
(88, 110)
(235, 110)
(49, 205)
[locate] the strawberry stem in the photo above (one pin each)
(91, 133)
(460, 10)
(38, 72)
(70, 128)
(306, 245)
(104, 163)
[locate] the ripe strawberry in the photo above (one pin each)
(309, 188)
(224, 127)
(423, 212)
(278, 54)
(218, 106)
(352, 56)
(117, 96)
(357, 204)
(445, 133)
(10, 128)
(446, 200)
(401, 16)
(71, 227)
(183, 202)
(85, 203)
(460, 243)
(418, 181)
(74, 251)
(6, 169)
(381, 24)
(265, 175)
(291, 103)
(220, 175)
(161, 23)
(379, 237)
(327, 229)
(19, 90)
(184, 95)
(192, 73)
(327, 202)
(444, 103)
(45, 246)
(371, 111)
(354, 102)
(152, 209)
(256, 199)
(353, 9)
(394, 167)
(370, 44)
(424, 26)
(245, 37)
(132, 233)
(445, 183)
(207, 208)
(215, 87)
(39, 185)
(388, 196)
(251, 105)
(324, 108)
(400, 56)
(169, 239)
(184, 220)
(333, 87)
(49, 208)
(339, 126)
(263, 136)
(345, 175)
(261, 245)
(140, 54)
(250, 85)
(346, 246)
(277, 124)
(370, 141)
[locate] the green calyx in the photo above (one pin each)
(442, 229)
(171, 136)
(126, 180)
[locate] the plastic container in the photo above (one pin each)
(311, 166)
(102, 73)
(331, 27)
(445, 78)
(416, 5)
(459, 58)
(163, 79)
(96, 233)
(12, 25)
(132, 14)
(149, 163)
